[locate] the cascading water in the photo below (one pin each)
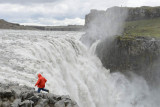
(69, 68)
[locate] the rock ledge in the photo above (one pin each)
(15, 95)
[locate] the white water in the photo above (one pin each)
(69, 67)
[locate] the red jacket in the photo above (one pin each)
(41, 81)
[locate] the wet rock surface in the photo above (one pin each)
(140, 55)
(15, 95)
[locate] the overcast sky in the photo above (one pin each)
(59, 12)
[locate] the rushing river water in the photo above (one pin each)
(70, 68)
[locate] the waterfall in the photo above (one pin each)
(70, 68)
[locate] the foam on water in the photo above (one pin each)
(69, 67)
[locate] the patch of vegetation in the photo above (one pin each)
(125, 38)
(149, 27)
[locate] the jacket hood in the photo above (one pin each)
(39, 75)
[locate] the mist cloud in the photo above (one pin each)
(24, 11)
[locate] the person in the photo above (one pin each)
(41, 83)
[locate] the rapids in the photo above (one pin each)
(70, 68)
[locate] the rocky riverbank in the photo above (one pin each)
(15, 95)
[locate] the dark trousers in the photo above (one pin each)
(43, 89)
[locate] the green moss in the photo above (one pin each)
(150, 28)
(127, 38)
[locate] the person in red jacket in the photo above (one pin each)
(41, 83)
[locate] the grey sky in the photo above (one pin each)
(27, 1)
(59, 12)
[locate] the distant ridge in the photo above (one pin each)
(7, 25)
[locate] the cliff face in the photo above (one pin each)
(139, 13)
(140, 55)
(142, 13)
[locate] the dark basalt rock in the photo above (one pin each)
(138, 54)
(23, 96)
